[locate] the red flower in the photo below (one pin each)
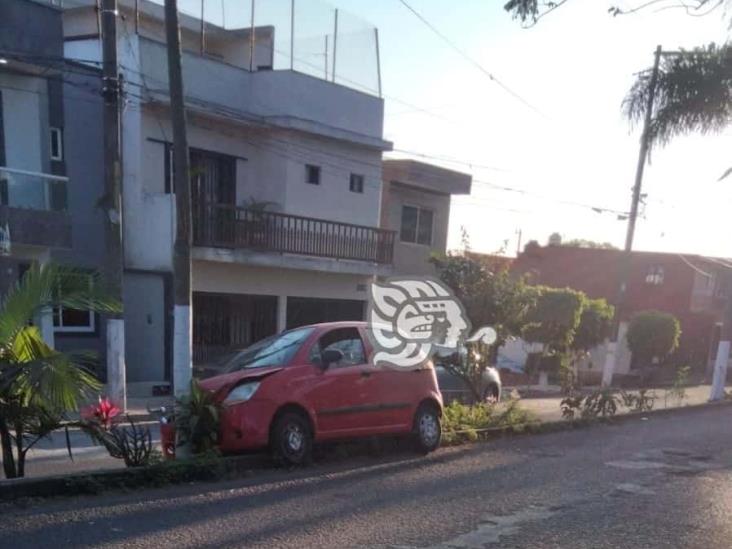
(102, 413)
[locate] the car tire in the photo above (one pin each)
(427, 429)
(292, 440)
(491, 393)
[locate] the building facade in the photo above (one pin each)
(416, 206)
(692, 288)
(51, 171)
(286, 187)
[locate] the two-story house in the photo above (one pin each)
(286, 185)
(51, 171)
(415, 205)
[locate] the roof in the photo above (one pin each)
(426, 176)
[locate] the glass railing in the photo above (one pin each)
(32, 190)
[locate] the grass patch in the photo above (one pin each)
(468, 423)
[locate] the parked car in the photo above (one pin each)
(317, 383)
(454, 388)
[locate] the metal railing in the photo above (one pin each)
(32, 190)
(228, 226)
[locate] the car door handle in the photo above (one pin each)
(365, 374)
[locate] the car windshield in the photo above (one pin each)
(271, 351)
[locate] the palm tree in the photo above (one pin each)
(693, 94)
(38, 385)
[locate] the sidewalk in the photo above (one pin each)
(548, 408)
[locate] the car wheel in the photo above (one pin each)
(292, 439)
(427, 428)
(491, 394)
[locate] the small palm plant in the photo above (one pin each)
(39, 385)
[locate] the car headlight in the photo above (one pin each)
(242, 393)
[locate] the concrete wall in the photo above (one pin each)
(285, 98)
(332, 199)
(84, 160)
(241, 279)
(228, 46)
(513, 355)
(30, 27)
(411, 258)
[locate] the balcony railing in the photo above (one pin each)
(32, 190)
(229, 226)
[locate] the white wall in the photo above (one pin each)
(332, 199)
(412, 258)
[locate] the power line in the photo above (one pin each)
(449, 159)
(250, 117)
(472, 61)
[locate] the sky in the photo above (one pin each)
(572, 144)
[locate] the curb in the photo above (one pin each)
(152, 476)
(539, 427)
(224, 468)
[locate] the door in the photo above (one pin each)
(344, 395)
(144, 313)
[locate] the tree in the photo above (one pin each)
(530, 11)
(584, 243)
(693, 94)
(652, 335)
(694, 88)
(554, 318)
(39, 385)
(553, 321)
(491, 298)
(594, 325)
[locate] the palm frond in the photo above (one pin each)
(40, 376)
(51, 285)
(693, 94)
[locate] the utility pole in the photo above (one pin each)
(609, 368)
(182, 323)
(719, 377)
(112, 204)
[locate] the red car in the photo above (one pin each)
(317, 383)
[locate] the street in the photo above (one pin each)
(661, 482)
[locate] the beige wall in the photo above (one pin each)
(410, 258)
(241, 279)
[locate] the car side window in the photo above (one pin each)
(347, 341)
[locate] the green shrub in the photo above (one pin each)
(468, 423)
(197, 419)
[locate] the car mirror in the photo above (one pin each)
(331, 356)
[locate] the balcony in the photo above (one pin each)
(33, 205)
(226, 226)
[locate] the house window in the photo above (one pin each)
(57, 144)
(356, 183)
(73, 320)
(655, 274)
(416, 225)
(312, 174)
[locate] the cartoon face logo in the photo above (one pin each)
(409, 317)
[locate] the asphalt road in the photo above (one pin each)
(664, 482)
